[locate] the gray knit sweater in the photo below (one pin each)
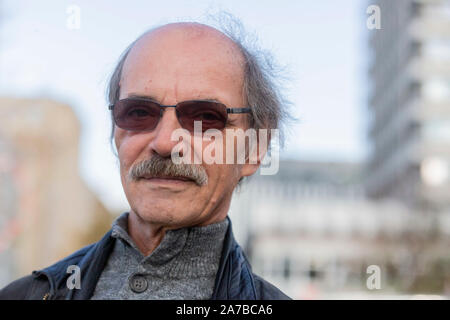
(183, 266)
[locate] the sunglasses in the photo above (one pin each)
(141, 114)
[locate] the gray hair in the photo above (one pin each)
(261, 77)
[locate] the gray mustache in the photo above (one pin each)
(158, 166)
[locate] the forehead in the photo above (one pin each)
(183, 61)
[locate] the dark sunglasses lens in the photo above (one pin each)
(136, 115)
(213, 115)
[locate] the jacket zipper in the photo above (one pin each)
(46, 296)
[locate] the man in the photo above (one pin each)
(176, 241)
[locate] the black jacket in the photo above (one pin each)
(234, 280)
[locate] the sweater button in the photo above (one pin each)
(138, 283)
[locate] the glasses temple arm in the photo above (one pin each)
(239, 110)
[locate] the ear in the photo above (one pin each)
(254, 156)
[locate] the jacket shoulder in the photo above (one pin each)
(267, 291)
(25, 288)
(60, 267)
(36, 285)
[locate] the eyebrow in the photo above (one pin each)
(149, 97)
(141, 96)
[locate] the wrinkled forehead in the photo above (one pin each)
(184, 51)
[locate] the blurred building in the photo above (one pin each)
(46, 210)
(410, 103)
(311, 231)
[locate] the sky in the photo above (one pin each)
(320, 44)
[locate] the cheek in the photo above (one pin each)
(129, 147)
(222, 176)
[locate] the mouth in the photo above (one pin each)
(167, 179)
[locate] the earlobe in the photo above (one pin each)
(249, 169)
(254, 157)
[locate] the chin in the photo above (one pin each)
(165, 217)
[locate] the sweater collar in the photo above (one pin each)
(195, 249)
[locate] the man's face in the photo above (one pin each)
(174, 64)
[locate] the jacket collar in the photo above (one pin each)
(234, 279)
(91, 260)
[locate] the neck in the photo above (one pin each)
(147, 236)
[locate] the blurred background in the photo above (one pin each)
(364, 176)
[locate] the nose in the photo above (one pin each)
(162, 143)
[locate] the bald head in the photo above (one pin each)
(184, 61)
(189, 35)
